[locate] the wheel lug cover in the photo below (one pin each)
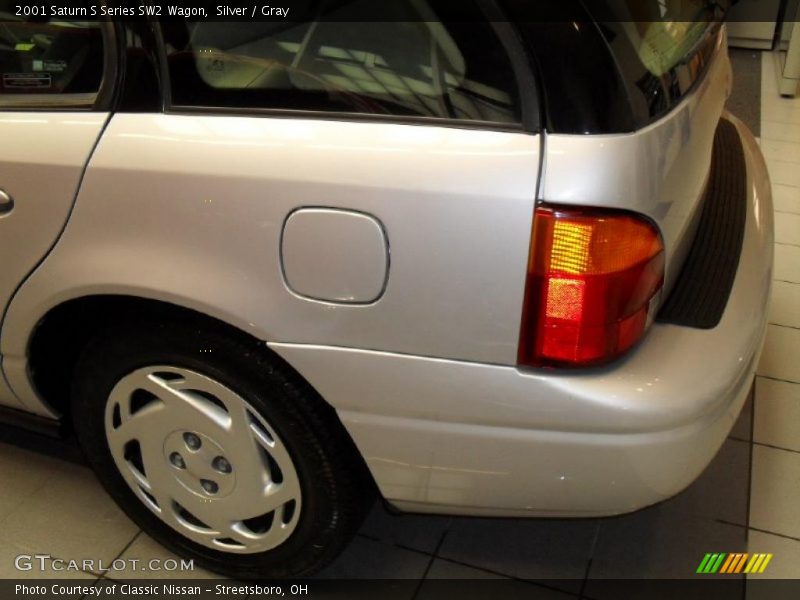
(177, 460)
(209, 486)
(192, 441)
(221, 464)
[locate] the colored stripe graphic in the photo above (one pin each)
(711, 563)
(710, 566)
(736, 558)
(717, 564)
(703, 563)
(764, 564)
(759, 563)
(727, 564)
(755, 560)
(730, 564)
(740, 564)
(737, 562)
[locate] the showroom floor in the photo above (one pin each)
(57, 507)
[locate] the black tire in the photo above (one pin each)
(337, 489)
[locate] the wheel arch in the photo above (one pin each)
(59, 336)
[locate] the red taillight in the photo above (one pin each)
(591, 277)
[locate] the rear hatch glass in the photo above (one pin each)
(661, 47)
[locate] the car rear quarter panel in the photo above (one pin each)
(659, 171)
(674, 376)
(189, 210)
(497, 440)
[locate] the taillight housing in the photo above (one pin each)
(592, 275)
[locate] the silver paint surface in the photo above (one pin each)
(42, 157)
(189, 209)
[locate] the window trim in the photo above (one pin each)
(103, 98)
(146, 29)
(320, 115)
(521, 64)
(507, 36)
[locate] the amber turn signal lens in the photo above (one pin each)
(591, 278)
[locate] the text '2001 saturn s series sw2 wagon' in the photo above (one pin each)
(486, 266)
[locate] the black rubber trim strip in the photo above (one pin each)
(25, 420)
(701, 293)
(39, 434)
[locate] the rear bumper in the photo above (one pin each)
(456, 437)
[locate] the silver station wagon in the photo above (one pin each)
(471, 263)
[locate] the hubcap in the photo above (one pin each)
(203, 460)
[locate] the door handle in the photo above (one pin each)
(6, 203)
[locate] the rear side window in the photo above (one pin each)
(49, 63)
(404, 66)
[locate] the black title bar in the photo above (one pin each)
(377, 10)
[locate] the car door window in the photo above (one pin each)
(409, 65)
(49, 62)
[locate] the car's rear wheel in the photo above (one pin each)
(218, 450)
